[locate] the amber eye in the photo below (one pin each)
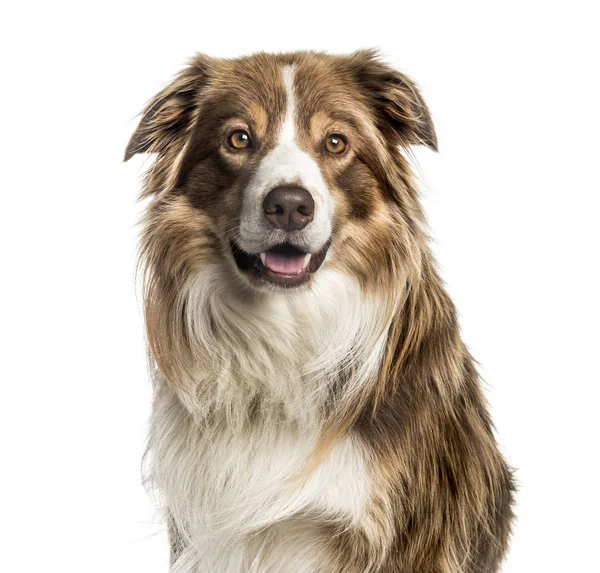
(335, 143)
(239, 139)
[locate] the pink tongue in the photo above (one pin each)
(284, 264)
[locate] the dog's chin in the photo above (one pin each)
(283, 265)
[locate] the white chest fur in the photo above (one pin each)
(227, 459)
(238, 499)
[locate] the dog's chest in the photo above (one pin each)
(257, 478)
(271, 473)
(243, 500)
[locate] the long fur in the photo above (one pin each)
(339, 427)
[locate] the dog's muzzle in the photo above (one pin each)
(286, 259)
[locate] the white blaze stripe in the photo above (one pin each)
(288, 130)
(286, 163)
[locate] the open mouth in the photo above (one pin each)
(284, 265)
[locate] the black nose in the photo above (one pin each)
(289, 207)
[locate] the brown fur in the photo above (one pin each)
(443, 492)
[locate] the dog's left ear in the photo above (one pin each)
(395, 99)
(170, 113)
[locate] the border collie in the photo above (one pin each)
(315, 409)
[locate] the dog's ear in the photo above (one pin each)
(170, 113)
(395, 99)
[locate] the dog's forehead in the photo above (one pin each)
(259, 87)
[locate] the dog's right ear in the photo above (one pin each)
(170, 113)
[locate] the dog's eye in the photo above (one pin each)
(239, 139)
(335, 143)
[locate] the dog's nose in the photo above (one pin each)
(289, 207)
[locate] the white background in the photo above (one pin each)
(513, 205)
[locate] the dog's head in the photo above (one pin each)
(275, 165)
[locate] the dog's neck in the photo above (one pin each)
(280, 354)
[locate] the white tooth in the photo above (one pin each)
(306, 261)
(263, 258)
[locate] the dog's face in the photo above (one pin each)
(273, 165)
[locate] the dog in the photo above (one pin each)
(315, 409)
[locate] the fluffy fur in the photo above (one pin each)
(337, 426)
